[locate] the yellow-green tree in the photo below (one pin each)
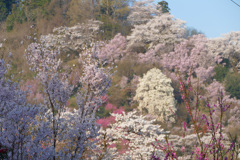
(81, 10)
(113, 14)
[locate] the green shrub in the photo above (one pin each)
(232, 84)
(3, 11)
(10, 22)
(221, 72)
(125, 68)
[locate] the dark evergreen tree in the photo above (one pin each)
(6, 7)
(164, 6)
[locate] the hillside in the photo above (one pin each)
(114, 79)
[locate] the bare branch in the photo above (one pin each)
(236, 3)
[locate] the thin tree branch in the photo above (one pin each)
(236, 3)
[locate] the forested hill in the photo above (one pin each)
(114, 79)
(47, 14)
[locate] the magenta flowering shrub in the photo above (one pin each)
(214, 147)
(107, 121)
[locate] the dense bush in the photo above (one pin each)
(221, 72)
(125, 68)
(232, 84)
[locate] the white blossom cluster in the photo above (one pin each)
(227, 46)
(142, 11)
(155, 95)
(139, 132)
(163, 29)
(73, 37)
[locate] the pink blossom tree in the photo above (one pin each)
(191, 54)
(114, 50)
(151, 55)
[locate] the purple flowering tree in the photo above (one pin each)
(70, 133)
(17, 118)
(44, 60)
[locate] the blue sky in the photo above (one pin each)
(212, 17)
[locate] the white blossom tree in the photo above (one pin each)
(227, 47)
(75, 37)
(142, 11)
(138, 132)
(164, 29)
(155, 95)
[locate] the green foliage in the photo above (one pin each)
(232, 84)
(72, 102)
(3, 11)
(120, 96)
(102, 112)
(10, 22)
(34, 4)
(113, 14)
(125, 68)
(111, 27)
(221, 72)
(164, 6)
(24, 11)
(141, 68)
(18, 16)
(5, 8)
(116, 96)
